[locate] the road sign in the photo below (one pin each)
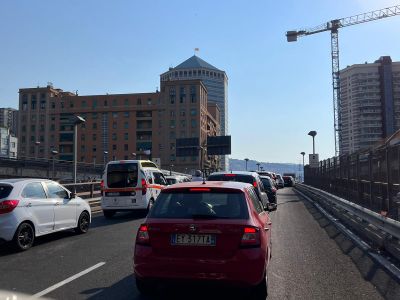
(219, 145)
(187, 147)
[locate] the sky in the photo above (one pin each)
(278, 91)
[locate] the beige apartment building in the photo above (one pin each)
(118, 126)
(370, 103)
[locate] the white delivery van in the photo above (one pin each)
(130, 185)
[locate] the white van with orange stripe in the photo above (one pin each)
(130, 185)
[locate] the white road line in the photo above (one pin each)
(68, 280)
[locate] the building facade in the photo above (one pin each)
(119, 126)
(216, 82)
(9, 119)
(8, 143)
(370, 103)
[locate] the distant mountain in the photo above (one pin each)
(280, 168)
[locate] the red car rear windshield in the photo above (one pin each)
(204, 205)
(232, 177)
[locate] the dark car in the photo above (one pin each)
(269, 188)
(248, 177)
(288, 180)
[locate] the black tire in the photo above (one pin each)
(108, 214)
(83, 223)
(144, 287)
(24, 237)
(260, 291)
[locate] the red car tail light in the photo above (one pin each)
(7, 206)
(250, 238)
(255, 184)
(144, 186)
(199, 190)
(142, 237)
(102, 184)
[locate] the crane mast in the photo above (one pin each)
(333, 26)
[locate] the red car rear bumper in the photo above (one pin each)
(244, 269)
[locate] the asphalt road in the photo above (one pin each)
(306, 262)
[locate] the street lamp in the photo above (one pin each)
(303, 153)
(313, 133)
(246, 160)
(77, 121)
(258, 166)
(105, 157)
(53, 154)
(37, 144)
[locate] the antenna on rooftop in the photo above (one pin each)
(196, 50)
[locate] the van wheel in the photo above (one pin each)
(260, 291)
(108, 214)
(83, 223)
(24, 237)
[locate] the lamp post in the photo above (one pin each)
(53, 154)
(246, 160)
(258, 166)
(105, 158)
(303, 153)
(313, 133)
(37, 144)
(77, 121)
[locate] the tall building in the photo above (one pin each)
(118, 125)
(216, 82)
(9, 119)
(370, 103)
(8, 143)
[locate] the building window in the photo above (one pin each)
(126, 114)
(52, 127)
(194, 123)
(172, 123)
(94, 137)
(94, 103)
(115, 114)
(83, 103)
(182, 112)
(114, 125)
(94, 126)
(126, 147)
(193, 112)
(83, 148)
(172, 158)
(126, 125)
(172, 146)
(172, 114)
(94, 116)
(126, 102)
(114, 136)
(43, 104)
(115, 102)
(114, 147)
(126, 136)
(183, 123)
(33, 128)
(94, 149)
(105, 103)
(82, 137)
(172, 134)
(139, 101)
(33, 104)
(149, 101)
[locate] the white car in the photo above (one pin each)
(35, 207)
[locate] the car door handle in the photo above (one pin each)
(266, 228)
(269, 223)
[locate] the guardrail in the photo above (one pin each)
(381, 231)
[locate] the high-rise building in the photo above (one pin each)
(118, 125)
(216, 82)
(9, 119)
(370, 103)
(8, 143)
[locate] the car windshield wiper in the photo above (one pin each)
(204, 216)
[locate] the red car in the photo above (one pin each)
(205, 232)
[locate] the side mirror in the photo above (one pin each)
(72, 195)
(271, 207)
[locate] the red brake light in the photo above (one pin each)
(200, 190)
(230, 175)
(251, 237)
(144, 186)
(142, 237)
(255, 184)
(7, 206)
(102, 184)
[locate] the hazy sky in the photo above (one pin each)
(277, 91)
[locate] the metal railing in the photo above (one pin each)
(369, 179)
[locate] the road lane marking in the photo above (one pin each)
(68, 280)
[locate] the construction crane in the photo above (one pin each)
(333, 26)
